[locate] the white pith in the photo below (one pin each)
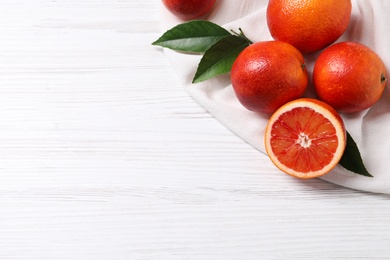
(304, 140)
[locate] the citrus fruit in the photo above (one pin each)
(349, 76)
(309, 25)
(305, 138)
(189, 9)
(268, 74)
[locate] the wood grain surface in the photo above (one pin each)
(103, 155)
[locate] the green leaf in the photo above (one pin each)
(352, 159)
(219, 58)
(192, 36)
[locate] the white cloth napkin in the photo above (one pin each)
(370, 129)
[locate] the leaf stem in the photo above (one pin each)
(241, 35)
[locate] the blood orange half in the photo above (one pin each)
(305, 138)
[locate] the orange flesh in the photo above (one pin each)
(303, 140)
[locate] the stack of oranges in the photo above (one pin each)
(306, 137)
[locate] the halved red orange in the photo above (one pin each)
(305, 138)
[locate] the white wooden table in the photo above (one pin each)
(104, 156)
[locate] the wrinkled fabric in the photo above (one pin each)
(370, 128)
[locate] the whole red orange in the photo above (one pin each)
(349, 76)
(268, 74)
(189, 9)
(309, 25)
